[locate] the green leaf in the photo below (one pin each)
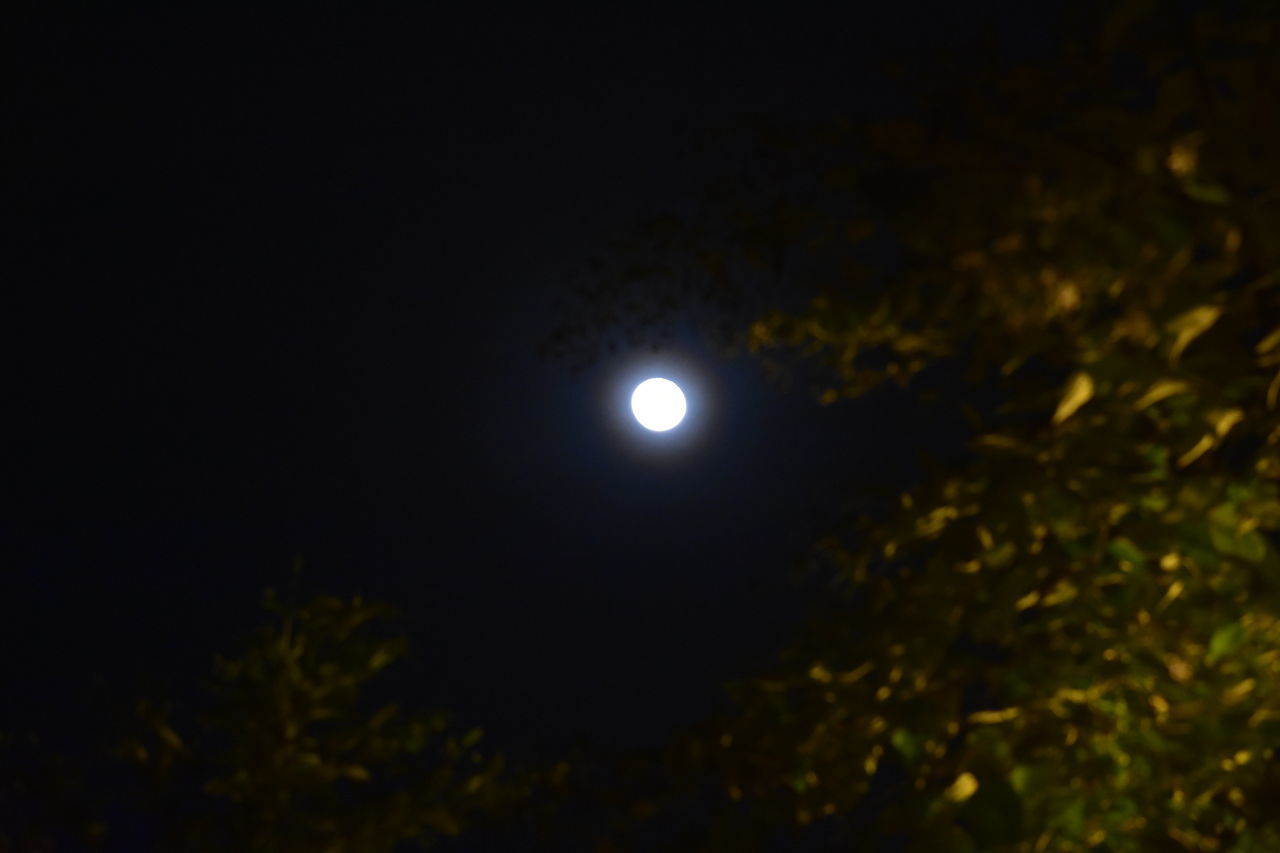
(906, 744)
(1225, 640)
(1028, 780)
(1124, 550)
(1206, 192)
(1071, 818)
(1225, 534)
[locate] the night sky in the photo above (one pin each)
(276, 284)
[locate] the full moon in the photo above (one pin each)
(658, 404)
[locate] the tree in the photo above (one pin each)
(288, 755)
(1068, 638)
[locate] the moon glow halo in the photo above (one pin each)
(658, 404)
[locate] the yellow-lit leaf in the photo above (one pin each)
(381, 658)
(1175, 589)
(965, 786)
(932, 524)
(820, 673)
(1029, 600)
(1160, 390)
(1268, 343)
(1234, 694)
(1190, 325)
(383, 715)
(1182, 158)
(854, 675)
(1200, 449)
(169, 736)
(1062, 593)
(1179, 670)
(1079, 391)
(1001, 716)
(1224, 421)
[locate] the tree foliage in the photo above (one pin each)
(287, 753)
(1071, 639)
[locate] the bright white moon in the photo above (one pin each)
(658, 404)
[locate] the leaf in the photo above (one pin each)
(1206, 192)
(1268, 343)
(1190, 325)
(1029, 779)
(1063, 592)
(1227, 538)
(1161, 389)
(1234, 694)
(1225, 640)
(1124, 550)
(1001, 555)
(1071, 818)
(819, 673)
(906, 744)
(1224, 421)
(356, 773)
(379, 719)
(1200, 448)
(381, 658)
(1004, 715)
(1079, 391)
(965, 786)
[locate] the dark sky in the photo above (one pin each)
(276, 282)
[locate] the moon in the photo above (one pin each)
(658, 404)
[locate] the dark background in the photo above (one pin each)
(276, 285)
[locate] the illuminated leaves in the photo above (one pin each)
(1269, 343)
(1200, 448)
(1079, 391)
(1188, 326)
(1234, 536)
(1097, 569)
(991, 717)
(1161, 389)
(964, 787)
